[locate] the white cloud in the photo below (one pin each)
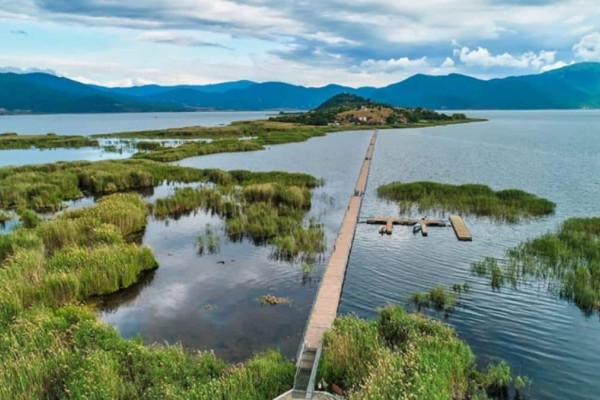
(481, 57)
(588, 48)
(448, 63)
(391, 65)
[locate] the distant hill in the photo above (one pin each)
(572, 87)
(349, 109)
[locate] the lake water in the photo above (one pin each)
(89, 124)
(554, 154)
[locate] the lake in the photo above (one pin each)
(89, 124)
(554, 154)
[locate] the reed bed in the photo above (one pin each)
(51, 347)
(67, 353)
(255, 209)
(193, 149)
(13, 141)
(505, 205)
(402, 356)
(568, 260)
(45, 187)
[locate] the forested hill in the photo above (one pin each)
(573, 87)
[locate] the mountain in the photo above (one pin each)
(571, 87)
(45, 93)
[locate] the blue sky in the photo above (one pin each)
(308, 42)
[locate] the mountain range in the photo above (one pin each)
(573, 87)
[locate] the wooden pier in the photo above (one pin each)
(390, 222)
(326, 304)
(460, 229)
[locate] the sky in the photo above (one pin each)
(306, 42)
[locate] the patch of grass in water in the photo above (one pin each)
(439, 298)
(509, 205)
(399, 356)
(256, 209)
(271, 300)
(48, 141)
(568, 259)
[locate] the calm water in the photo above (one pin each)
(552, 154)
(89, 124)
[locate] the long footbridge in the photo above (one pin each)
(326, 303)
(325, 306)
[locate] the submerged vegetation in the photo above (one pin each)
(402, 356)
(439, 298)
(480, 200)
(569, 260)
(270, 300)
(11, 141)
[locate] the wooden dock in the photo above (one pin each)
(460, 229)
(326, 303)
(390, 222)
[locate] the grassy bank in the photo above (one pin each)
(402, 356)
(505, 205)
(569, 260)
(11, 141)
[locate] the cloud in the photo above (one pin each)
(588, 48)
(26, 70)
(351, 40)
(178, 40)
(448, 63)
(391, 65)
(19, 32)
(481, 57)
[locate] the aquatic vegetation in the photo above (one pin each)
(45, 187)
(77, 255)
(403, 356)
(271, 300)
(29, 218)
(192, 149)
(508, 205)
(11, 141)
(4, 217)
(569, 260)
(439, 298)
(146, 145)
(257, 209)
(65, 353)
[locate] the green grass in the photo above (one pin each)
(51, 347)
(402, 356)
(505, 205)
(569, 260)
(45, 187)
(251, 136)
(67, 353)
(10, 141)
(438, 298)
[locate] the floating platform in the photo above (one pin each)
(390, 222)
(460, 229)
